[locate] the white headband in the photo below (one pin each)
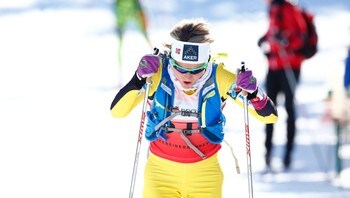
(187, 52)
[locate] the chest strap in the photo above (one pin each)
(175, 111)
(183, 134)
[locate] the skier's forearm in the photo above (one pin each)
(269, 109)
(263, 106)
(127, 98)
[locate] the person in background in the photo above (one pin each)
(338, 108)
(185, 123)
(347, 73)
(279, 44)
(126, 12)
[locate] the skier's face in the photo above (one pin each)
(188, 74)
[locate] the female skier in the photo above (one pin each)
(185, 121)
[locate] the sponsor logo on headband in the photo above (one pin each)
(178, 51)
(190, 53)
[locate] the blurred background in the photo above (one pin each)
(63, 61)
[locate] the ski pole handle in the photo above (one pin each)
(238, 89)
(157, 52)
(242, 67)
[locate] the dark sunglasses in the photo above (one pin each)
(184, 70)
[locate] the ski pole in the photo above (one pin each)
(247, 138)
(139, 139)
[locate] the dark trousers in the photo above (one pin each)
(284, 81)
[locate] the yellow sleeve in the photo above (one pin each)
(132, 94)
(127, 103)
(224, 79)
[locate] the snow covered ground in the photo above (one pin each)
(59, 74)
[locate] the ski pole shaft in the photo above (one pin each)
(142, 124)
(139, 139)
(247, 138)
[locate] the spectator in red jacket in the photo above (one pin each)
(280, 44)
